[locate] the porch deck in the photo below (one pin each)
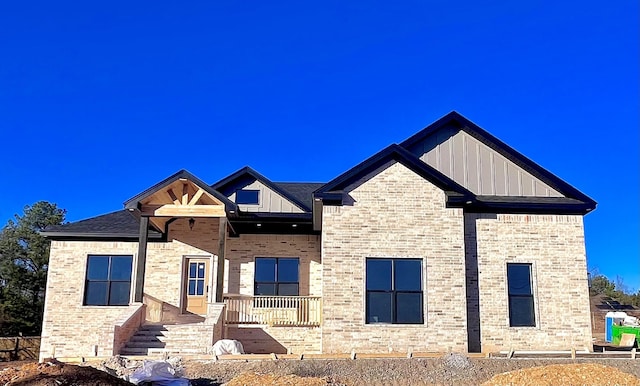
(303, 311)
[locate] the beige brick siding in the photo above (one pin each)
(126, 327)
(279, 340)
(242, 251)
(74, 329)
(554, 245)
(69, 328)
(395, 213)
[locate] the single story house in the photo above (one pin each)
(448, 241)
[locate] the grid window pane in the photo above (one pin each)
(379, 275)
(98, 268)
(119, 293)
(200, 287)
(200, 270)
(408, 275)
(108, 280)
(521, 312)
(192, 270)
(521, 303)
(408, 307)
(265, 269)
(96, 293)
(379, 307)
(519, 278)
(120, 268)
(192, 287)
(277, 276)
(394, 291)
(288, 289)
(288, 270)
(263, 289)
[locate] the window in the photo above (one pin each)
(108, 280)
(521, 309)
(276, 276)
(248, 197)
(394, 291)
(196, 278)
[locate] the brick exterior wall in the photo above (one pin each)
(398, 214)
(394, 213)
(279, 340)
(554, 245)
(74, 329)
(242, 251)
(69, 328)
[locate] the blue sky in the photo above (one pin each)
(98, 101)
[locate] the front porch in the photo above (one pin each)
(291, 311)
(192, 278)
(263, 324)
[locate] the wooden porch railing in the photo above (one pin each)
(273, 310)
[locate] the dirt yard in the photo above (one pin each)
(451, 369)
(448, 370)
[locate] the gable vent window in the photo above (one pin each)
(248, 197)
(108, 280)
(521, 306)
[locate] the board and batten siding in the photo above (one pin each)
(478, 167)
(269, 200)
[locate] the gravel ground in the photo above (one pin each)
(451, 369)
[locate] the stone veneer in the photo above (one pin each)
(398, 214)
(554, 245)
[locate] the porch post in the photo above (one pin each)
(222, 236)
(142, 258)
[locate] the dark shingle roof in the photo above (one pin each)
(302, 191)
(116, 224)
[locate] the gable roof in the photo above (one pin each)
(303, 191)
(457, 195)
(247, 172)
(392, 153)
(119, 224)
(456, 119)
(133, 202)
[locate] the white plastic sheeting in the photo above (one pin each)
(158, 373)
(227, 346)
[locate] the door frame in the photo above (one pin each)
(183, 280)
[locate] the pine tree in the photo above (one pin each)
(24, 257)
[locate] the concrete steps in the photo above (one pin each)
(150, 339)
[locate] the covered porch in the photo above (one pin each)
(182, 279)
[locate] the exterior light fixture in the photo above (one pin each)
(258, 225)
(294, 225)
(192, 222)
(468, 202)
